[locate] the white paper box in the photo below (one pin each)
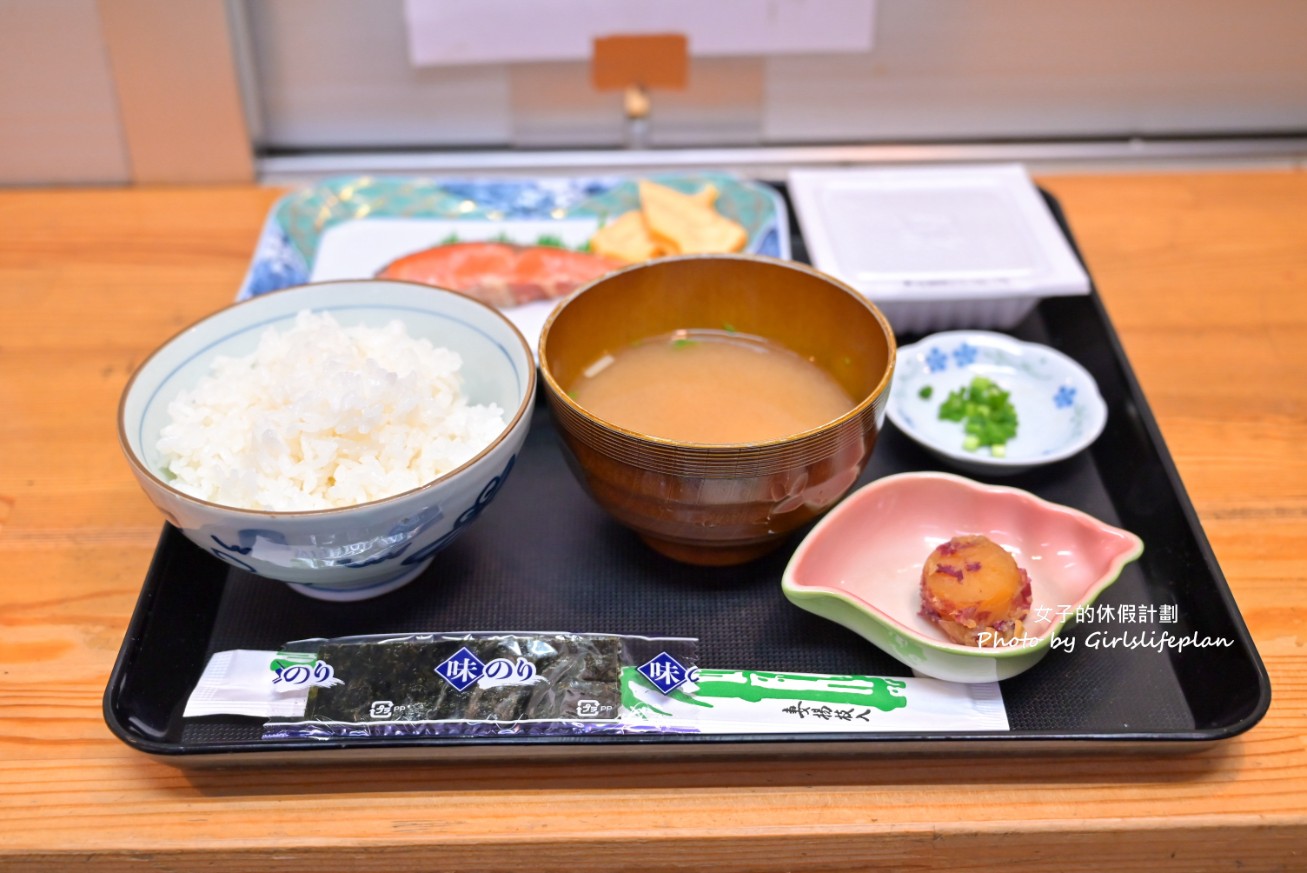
(938, 247)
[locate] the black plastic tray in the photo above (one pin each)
(544, 557)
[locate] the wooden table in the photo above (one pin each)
(1205, 276)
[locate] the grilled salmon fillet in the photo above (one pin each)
(500, 274)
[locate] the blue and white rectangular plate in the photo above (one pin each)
(351, 227)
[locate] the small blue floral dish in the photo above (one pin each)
(1058, 409)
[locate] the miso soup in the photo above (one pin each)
(708, 386)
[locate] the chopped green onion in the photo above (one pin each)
(986, 411)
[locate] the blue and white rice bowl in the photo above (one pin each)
(352, 552)
(1059, 409)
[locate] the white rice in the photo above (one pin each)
(323, 416)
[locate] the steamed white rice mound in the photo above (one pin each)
(323, 416)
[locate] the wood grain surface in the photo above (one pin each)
(1205, 277)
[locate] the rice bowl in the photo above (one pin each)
(377, 542)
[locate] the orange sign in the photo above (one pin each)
(646, 61)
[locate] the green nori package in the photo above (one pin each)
(471, 684)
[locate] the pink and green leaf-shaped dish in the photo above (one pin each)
(861, 567)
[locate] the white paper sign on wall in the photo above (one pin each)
(453, 32)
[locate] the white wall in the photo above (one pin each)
(993, 69)
(330, 74)
(335, 73)
(58, 112)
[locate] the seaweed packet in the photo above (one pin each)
(461, 684)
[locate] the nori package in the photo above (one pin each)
(473, 683)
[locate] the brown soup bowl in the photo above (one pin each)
(719, 504)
